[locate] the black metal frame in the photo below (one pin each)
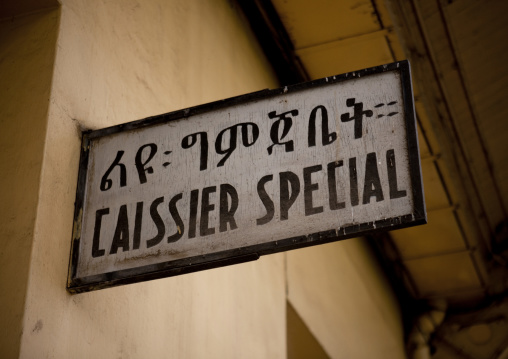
(249, 253)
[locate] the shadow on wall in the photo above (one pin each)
(27, 55)
(301, 343)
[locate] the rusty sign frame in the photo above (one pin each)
(253, 252)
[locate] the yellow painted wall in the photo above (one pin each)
(341, 294)
(27, 48)
(119, 61)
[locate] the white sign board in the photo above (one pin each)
(226, 182)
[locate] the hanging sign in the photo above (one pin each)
(226, 182)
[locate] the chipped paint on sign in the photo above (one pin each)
(258, 174)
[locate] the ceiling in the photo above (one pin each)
(457, 49)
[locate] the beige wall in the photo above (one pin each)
(341, 294)
(119, 61)
(27, 50)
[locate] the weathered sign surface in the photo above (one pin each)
(229, 181)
